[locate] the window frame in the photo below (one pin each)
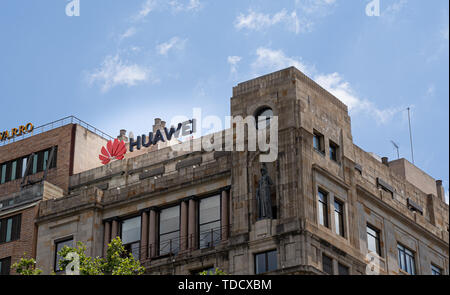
(122, 220)
(11, 227)
(266, 261)
(341, 217)
(403, 263)
(377, 238)
(331, 264)
(321, 204)
(320, 138)
(171, 232)
(343, 266)
(5, 268)
(198, 220)
(259, 112)
(55, 255)
(436, 270)
(335, 146)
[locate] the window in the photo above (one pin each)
(5, 266)
(373, 240)
(169, 230)
(209, 222)
(406, 260)
(323, 208)
(10, 228)
(15, 169)
(131, 236)
(58, 247)
(334, 151)
(3, 173)
(436, 271)
(327, 264)
(343, 270)
(265, 112)
(339, 217)
(318, 142)
(266, 262)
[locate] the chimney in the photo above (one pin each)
(385, 161)
(440, 190)
(122, 135)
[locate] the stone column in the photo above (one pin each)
(440, 190)
(152, 231)
(225, 215)
(184, 220)
(144, 234)
(106, 236)
(114, 228)
(192, 224)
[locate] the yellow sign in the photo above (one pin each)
(28, 128)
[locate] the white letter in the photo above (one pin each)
(75, 263)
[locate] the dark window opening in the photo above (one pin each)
(318, 142)
(334, 151)
(169, 230)
(5, 266)
(209, 221)
(343, 270)
(266, 262)
(327, 264)
(10, 228)
(436, 271)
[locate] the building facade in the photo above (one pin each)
(335, 209)
(38, 167)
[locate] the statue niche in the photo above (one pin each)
(263, 195)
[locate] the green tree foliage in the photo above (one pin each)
(117, 261)
(26, 266)
(217, 272)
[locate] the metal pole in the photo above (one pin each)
(410, 135)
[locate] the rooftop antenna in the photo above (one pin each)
(410, 135)
(396, 146)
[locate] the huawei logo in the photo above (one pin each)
(115, 150)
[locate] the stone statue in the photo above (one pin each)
(263, 200)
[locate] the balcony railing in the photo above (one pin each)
(172, 247)
(56, 124)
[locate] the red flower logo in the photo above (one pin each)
(115, 150)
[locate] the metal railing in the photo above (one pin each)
(56, 124)
(188, 243)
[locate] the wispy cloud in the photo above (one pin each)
(390, 13)
(113, 72)
(173, 43)
(192, 5)
(268, 60)
(128, 33)
(233, 61)
(299, 20)
(147, 7)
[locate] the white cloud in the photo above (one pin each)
(128, 33)
(147, 7)
(300, 20)
(174, 42)
(233, 61)
(272, 60)
(113, 72)
(269, 60)
(391, 12)
(446, 196)
(192, 5)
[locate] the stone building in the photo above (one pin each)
(336, 209)
(34, 167)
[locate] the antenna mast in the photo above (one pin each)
(396, 146)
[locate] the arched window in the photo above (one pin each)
(263, 122)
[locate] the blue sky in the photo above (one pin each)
(120, 64)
